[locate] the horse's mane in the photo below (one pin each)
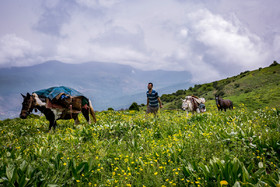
(195, 96)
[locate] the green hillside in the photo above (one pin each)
(255, 89)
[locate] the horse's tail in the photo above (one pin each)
(92, 111)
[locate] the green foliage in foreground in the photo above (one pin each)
(234, 148)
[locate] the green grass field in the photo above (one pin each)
(234, 148)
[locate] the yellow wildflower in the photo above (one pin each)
(224, 182)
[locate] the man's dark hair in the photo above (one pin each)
(151, 83)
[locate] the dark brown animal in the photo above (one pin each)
(223, 104)
(68, 108)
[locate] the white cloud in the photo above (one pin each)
(276, 47)
(227, 46)
(51, 3)
(108, 3)
(210, 40)
(98, 3)
(197, 40)
(184, 32)
(15, 51)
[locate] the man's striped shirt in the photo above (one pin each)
(153, 98)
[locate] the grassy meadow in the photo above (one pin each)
(240, 147)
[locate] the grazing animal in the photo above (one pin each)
(61, 107)
(193, 104)
(223, 104)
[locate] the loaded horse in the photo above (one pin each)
(57, 103)
(193, 104)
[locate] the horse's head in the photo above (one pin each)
(28, 105)
(202, 108)
(217, 97)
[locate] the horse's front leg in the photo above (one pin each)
(77, 121)
(52, 124)
(85, 113)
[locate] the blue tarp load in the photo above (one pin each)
(54, 91)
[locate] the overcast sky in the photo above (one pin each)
(211, 39)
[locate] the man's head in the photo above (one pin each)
(150, 86)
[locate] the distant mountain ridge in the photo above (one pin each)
(106, 84)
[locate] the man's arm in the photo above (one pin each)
(160, 104)
(147, 101)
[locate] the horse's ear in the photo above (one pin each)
(28, 94)
(23, 95)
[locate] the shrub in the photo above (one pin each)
(208, 87)
(236, 85)
(167, 97)
(197, 86)
(134, 106)
(215, 84)
(220, 93)
(248, 90)
(180, 92)
(274, 64)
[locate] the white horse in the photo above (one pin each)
(193, 104)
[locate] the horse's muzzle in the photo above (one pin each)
(203, 110)
(23, 116)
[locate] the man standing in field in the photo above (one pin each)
(152, 100)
